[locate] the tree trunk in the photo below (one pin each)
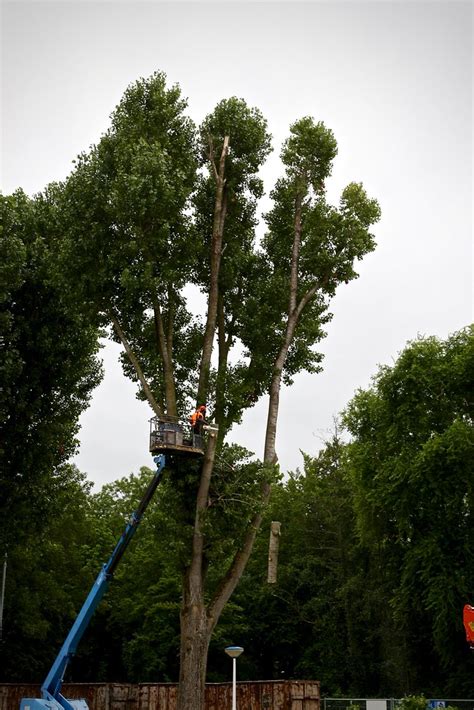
(195, 638)
(195, 627)
(295, 254)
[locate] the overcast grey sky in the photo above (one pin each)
(393, 80)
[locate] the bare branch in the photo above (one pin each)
(134, 360)
(232, 577)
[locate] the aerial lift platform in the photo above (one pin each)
(170, 435)
(168, 438)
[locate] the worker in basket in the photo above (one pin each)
(198, 419)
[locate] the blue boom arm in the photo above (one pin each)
(51, 688)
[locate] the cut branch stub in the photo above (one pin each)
(273, 552)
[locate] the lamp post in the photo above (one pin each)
(2, 595)
(234, 652)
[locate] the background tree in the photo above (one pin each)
(48, 370)
(411, 462)
(313, 622)
(49, 567)
(48, 366)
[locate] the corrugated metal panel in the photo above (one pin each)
(212, 697)
(297, 690)
(259, 695)
(96, 695)
(11, 695)
(311, 696)
(280, 697)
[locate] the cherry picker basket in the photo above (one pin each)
(170, 435)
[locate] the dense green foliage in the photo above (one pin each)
(412, 465)
(48, 367)
(49, 569)
(48, 370)
(375, 555)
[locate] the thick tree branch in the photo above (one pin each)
(195, 572)
(234, 573)
(269, 455)
(274, 399)
(170, 329)
(170, 391)
(220, 208)
(222, 367)
(133, 359)
(295, 254)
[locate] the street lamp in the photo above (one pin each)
(2, 595)
(234, 652)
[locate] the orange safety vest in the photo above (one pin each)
(197, 416)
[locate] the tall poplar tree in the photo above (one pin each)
(158, 207)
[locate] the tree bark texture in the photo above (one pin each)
(195, 638)
(273, 552)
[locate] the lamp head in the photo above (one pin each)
(234, 651)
